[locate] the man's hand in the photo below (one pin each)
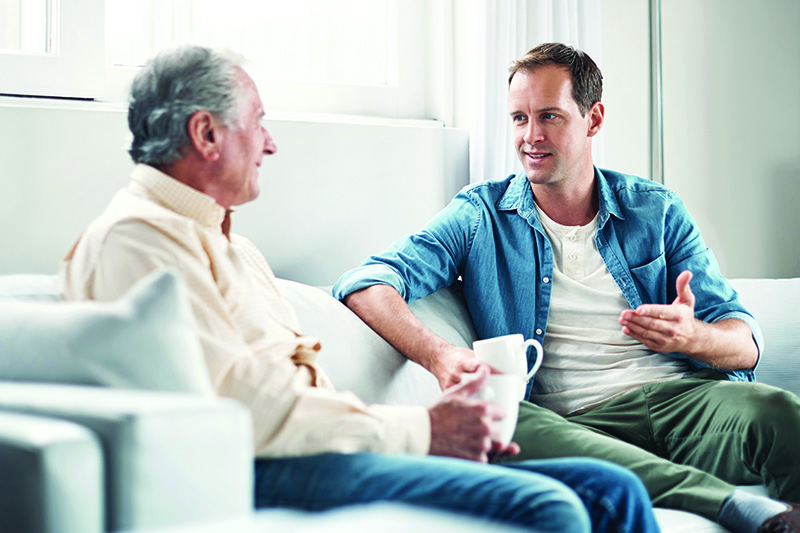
(454, 362)
(464, 427)
(666, 328)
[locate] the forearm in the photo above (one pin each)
(383, 309)
(727, 344)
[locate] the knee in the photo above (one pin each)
(772, 410)
(562, 512)
(604, 477)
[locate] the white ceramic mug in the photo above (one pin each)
(505, 390)
(508, 354)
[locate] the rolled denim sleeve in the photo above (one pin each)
(715, 298)
(420, 264)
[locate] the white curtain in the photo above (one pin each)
(499, 32)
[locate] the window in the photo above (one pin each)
(363, 57)
(25, 26)
(51, 47)
(348, 41)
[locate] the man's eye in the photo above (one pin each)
(517, 118)
(548, 116)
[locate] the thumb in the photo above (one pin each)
(685, 294)
(469, 387)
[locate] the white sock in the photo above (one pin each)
(743, 512)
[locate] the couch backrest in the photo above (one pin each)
(775, 303)
(29, 287)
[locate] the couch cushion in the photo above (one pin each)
(775, 304)
(29, 287)
(145, 340)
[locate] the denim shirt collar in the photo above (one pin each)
(519, 197)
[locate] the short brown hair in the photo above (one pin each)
(587, 81)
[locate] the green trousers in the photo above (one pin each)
(690, 441)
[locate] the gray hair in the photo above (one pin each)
(172, 87)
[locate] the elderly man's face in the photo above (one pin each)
(243, 149)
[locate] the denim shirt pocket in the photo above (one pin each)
(651, 280)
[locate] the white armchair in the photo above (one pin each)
(110, 422)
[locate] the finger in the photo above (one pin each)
(509, 450)
(685, 294)
(654, 325)
(495, 411)
(485, 366)
(655, 311)
(470, 386)
(650, 329)
(483, 456)
(644, 341)
(449, 381)
(470, 365)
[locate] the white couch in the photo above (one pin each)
(157, 449)
(357, 359)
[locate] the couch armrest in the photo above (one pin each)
(52, 476)
(170, 458)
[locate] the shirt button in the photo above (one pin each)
(546, 279)
(573, 257)
(573, 238)
(538, 331)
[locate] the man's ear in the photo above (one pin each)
(596, 117)
(204, 134)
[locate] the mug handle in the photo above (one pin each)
(539, 356)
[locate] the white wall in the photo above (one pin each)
(625, 63)
(731, 79)
(731, 137)
(333, 194)
(337, 192)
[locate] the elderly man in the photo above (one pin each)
(639, 368)
(198, 141)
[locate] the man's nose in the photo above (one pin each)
(269, 144)
(533, 133)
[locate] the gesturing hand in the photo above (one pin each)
(464, 427)
(665, 328)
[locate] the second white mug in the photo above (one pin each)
(505, 390)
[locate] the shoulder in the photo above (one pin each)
(628, 182)
(131, 221)
(127, 210)
(634, 191)
(489, 188)
(488, 193)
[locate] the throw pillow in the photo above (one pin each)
(145, 340)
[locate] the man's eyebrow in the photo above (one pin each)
(537, 111)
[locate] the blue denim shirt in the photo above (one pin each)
(491, 236)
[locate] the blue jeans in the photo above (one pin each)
(558, 495)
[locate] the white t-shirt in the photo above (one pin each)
(587, 358)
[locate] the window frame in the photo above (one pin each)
(79, 69)
(70, 69)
